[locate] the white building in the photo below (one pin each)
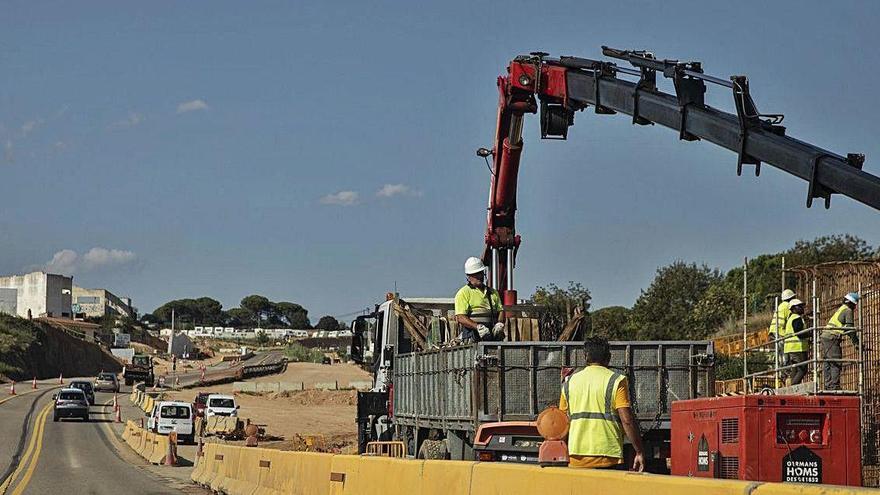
(100, 302)
(39, 294)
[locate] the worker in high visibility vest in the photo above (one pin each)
(478, 306)
(600, 412)
(841, 321)
(795, 346)
(780, 316)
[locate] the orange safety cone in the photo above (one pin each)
(115, 403)
(61, 378)
(203, 375)
(171, 456)
(35, 384)
(12, 388)
(118, 414)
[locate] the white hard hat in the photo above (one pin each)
(787, 294)
(474, 265)
(852, 297)
(795, 302)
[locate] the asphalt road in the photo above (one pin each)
(225, 369)
(71, 456)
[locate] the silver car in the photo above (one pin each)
(107, 382)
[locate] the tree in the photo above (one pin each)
(189, 312)
(238, 317)
(610, 323)
(329, 323)
(294, 315)
(559, 306)
(258, 306)
(262, 338)
(665, 310)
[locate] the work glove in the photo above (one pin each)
(482, 330)
(498, 330)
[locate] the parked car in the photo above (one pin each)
(168, 416)
(70, 403)
(106, 382)
(199, 404)
(221, 405)
(87, 389)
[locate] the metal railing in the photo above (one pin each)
(815, 334)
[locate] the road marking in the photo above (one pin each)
(20, 487)
(38, 423)
(25, 393)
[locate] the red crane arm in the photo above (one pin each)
(559, 87)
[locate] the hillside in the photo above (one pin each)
(30, 349)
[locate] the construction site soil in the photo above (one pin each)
(318, 420)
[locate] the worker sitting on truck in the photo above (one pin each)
(841, 322)
(600, 412)
(780, 316)
(478, 306)
(795, 347)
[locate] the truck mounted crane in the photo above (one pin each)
(561, 86)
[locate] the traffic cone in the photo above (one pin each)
(171, 456)
(115, 404)
(12, 388)
(203, 375)
(118, 414)
(35, 384)
(61, 378)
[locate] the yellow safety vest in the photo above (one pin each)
(793, 343)
(595, 428)
(835, 321)
(780, 317)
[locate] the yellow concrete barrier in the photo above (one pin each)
(253, 465)
(303, 473)
(344, 475)
(253, 471)
(374, 473)
(147, 447)
(138, 439)
(160, 448)
(446, 477)
(229, 471)
(201, 463)
(214, 459)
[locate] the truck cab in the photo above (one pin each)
(140, 370)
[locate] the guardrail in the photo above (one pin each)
(245, 470)
(263, 369)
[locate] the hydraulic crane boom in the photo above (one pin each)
(559, 87)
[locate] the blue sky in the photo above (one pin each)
(181, 149)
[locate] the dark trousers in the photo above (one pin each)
(831, 371)
(797, 373)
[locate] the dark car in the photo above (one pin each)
(199, 404)
(70, 403)
(87, 389)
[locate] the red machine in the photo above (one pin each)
(801, 439)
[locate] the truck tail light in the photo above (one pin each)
(486, 457)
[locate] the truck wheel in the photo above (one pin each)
(55, 418)
(433, 449)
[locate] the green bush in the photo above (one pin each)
(300, 354)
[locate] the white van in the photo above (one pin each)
(168, 416)
(221, 405)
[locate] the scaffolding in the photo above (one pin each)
(827, 283)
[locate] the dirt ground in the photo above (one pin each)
(328, 417)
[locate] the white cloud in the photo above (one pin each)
(63, 262)
(391, 190)
(341, 198)
(132, 120)
(8, 155)
(68, 262)
(192, 106)
(29, 126)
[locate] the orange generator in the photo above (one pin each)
(782, 438)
